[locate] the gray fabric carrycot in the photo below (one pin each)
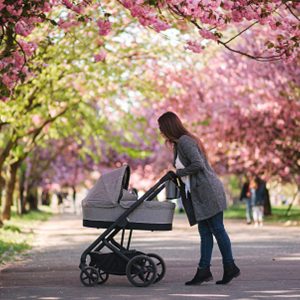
(109, 199)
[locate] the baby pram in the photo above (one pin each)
(110, 205)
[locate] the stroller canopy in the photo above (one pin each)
(109, 188)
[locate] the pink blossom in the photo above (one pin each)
(8, 80)
(23, 28)
(237, 16)
(194, 46)
(66, 25)
(68, 4)
(160, 26)
(208, 34)
(19, 60)
(47, 7)
(28, 47)
(127, 3)
(104, 27)
(36, 119)
(227, 4)
(249, 13)
(100, 56)
(13, 11)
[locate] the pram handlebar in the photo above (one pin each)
(170, 175)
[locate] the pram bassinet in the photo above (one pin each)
(110, 205)
(109, 199)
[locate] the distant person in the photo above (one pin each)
(259, 201)
(246, 198)
(206, 192)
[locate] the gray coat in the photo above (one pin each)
(207, 191)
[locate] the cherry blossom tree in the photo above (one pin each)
(246, 112)
(220, 21)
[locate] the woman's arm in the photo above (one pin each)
(189, 148)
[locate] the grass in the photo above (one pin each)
(278, 214)
(17, 234)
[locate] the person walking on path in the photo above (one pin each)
(246, 198)
(206, 193)
(258, 196)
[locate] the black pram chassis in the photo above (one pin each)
(141, 269)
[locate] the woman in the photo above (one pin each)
(206, 193)
(258, 195)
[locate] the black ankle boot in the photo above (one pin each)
(201, 275)
(230, 271)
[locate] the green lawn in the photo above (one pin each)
(17, 234)
(278, 213)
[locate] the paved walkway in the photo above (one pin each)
(269, 259)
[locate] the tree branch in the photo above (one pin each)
(37, 131)
(258, 58)
(291, 11)
(240, 33)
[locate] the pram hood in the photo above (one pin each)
(109, 189)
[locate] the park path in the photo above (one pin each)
(269, 259)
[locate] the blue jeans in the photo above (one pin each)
(214, 227)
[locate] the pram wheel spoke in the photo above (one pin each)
(89, 276)
(103, 276)
(141, 271)
(160, 266)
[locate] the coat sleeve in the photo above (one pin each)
(190, 150)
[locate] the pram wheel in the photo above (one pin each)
(103, 276)
(141, 271)
(160, 266)
(89, 276)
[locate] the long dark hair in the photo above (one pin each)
(172, 128)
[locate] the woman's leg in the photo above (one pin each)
(230, 269)
(255, 215)
(217, 228)
(203, 271)
(261, 215)
(206, 244)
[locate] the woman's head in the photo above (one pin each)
(171, 126)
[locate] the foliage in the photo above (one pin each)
(16, 235)
(210, 18)
(278, 214)
(246, 113)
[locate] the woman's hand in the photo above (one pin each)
(171, 175)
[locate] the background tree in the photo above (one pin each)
(211, 20)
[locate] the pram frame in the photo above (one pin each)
(106, 239)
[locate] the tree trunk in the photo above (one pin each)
(32, 198)
(13, 168)
(2, 185)
(267, 204)
(45, 197)
(3, 156)
(291, 204)
(21, 199)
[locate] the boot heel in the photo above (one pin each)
(237, 275)
(202, 275)
(209, 279)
